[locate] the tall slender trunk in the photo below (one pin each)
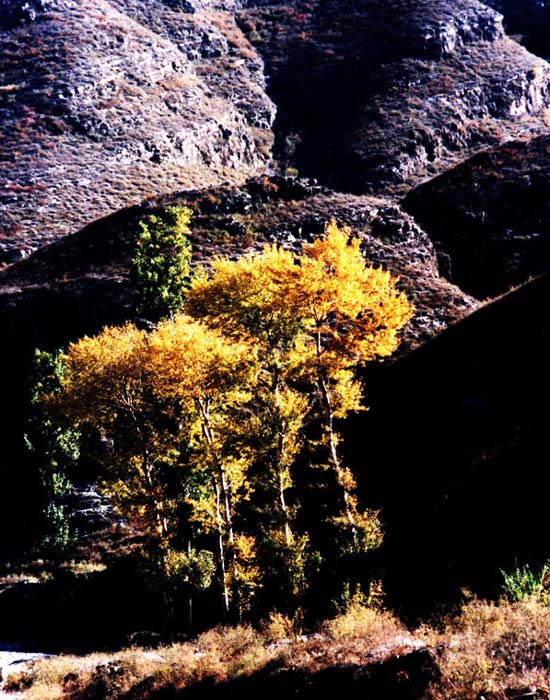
(221, 548)
(189, 599)
(224, 515)
(329, 426)
(169, 615)
(284, 509)
(159, 515)
(161, 521)
(279, 464)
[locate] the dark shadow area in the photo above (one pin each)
(455, 450)
(530, 19)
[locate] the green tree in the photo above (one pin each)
(160, 268)
(54, 445)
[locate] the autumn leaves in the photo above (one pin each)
(208, 415)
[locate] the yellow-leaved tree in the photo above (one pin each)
(351, 314)
(210, 378)
(202, 421)
(163, 404)
(243, 299)
(316, 316)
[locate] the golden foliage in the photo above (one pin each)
(271, 340)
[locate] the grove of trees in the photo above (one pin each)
(219, 429)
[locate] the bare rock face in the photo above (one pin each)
(108, 101)
(489, 218)
(435, 81)
(102, 103)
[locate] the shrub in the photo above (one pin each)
(280, 627)
(365, 623)
(523, 583)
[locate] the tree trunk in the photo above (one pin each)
(284, 509)
(329, 425)
(221, 549)
(279, 467)
(221, 490)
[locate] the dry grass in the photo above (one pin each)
(365, 624)
(493, 648)
(220, 654)
(489, 651)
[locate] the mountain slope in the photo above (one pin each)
(104, 103)
(489, 217)
(455, 450)
(435, 81)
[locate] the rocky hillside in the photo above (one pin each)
(435, 81)
(489, 218)
(103, 103)
(427, 125)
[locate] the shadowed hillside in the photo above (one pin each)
(461, 487)
(489, 218)
(529, 20)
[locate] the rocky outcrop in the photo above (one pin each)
(93, 264)
(106, 102)
(436, 81)
(489, 218)
(103, 103)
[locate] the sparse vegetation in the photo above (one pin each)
(220, 654)
(489, 650)
(494, 650)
